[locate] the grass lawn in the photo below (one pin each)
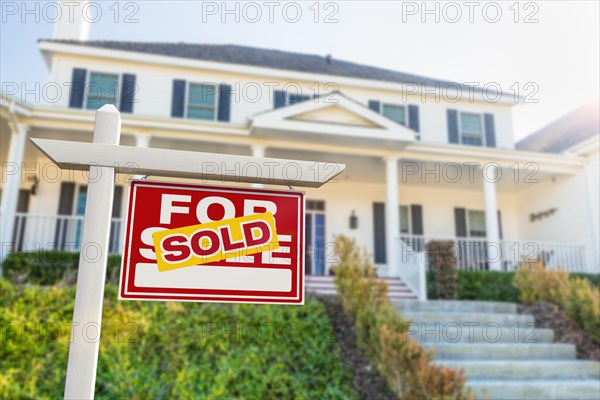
(172, 350)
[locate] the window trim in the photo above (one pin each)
(460, 131)
(88, 80)
(404, 106)
(467, 223)
(187, 97)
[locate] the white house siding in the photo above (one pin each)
(438, 208)
(572, 221)
(155, 92)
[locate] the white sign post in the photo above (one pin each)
(87, 314)
(104, 157)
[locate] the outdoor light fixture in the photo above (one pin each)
(33, 189)
(353, 220)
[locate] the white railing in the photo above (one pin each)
(476, 253)
(411, 269)
(34, 232)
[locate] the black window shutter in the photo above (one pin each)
(490, 130)
(224, 102)
(379, 232)
(279, 99)
(178, 99)
(460, 222)
(499, 224)
(77, 88)
(375, 105)
(66, 196)
(452, 126)
(127, 93)
(65, 207)
(413, 117)
(117, 202)
(416, 216)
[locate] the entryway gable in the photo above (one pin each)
(332, 113)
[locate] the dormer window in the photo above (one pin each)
(471, 129)
(102, 89)
(202, 101)
(395, 112)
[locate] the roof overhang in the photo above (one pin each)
(65, 120)
(48, 48)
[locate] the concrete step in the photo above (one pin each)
(451, 333)
(502, 351)
(457, 306)
(469, 317)
(582, 389)
(526, 369)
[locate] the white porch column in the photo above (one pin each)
(392, 214)
(491, 174)
(258, 150)
(10, 192)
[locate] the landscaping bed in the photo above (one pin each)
(367, 381)
(565, 329)
(160, 350)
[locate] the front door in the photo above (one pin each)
(315, 237)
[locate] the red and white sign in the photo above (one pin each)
(213, 244)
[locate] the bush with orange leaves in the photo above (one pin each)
(383, 334)
(576, 296)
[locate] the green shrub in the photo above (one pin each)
(162, 350)
(383, 334)
(593, 279)
(576, 296)
(51, 267)
(442, 261)
(480, 285)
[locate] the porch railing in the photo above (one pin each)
(57, 232)
(476, 253)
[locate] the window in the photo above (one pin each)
(404, 220)
(102, 89)
(471, 129)
(476, 223)
(395, 113)
(296, 98)
(202, 100)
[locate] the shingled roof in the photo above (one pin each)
(565, 132)
(257, 57)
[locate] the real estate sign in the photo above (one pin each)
(206, 243)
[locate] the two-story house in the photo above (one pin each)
(425, 158)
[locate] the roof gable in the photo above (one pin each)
(332, 114)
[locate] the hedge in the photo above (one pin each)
(51, 267)
(490, 285)
(160, 350)
(480, 285)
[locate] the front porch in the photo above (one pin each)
(394, 197)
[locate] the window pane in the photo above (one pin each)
(296, 98)
(404, 219)
(201, 113)
(101, 90)
(471, 123)
(202, 95)
(395, 113)
(476, 223)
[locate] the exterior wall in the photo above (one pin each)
(572, 197)
(252, 95)
(438, 209)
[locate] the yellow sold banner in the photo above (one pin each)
(215, 241)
